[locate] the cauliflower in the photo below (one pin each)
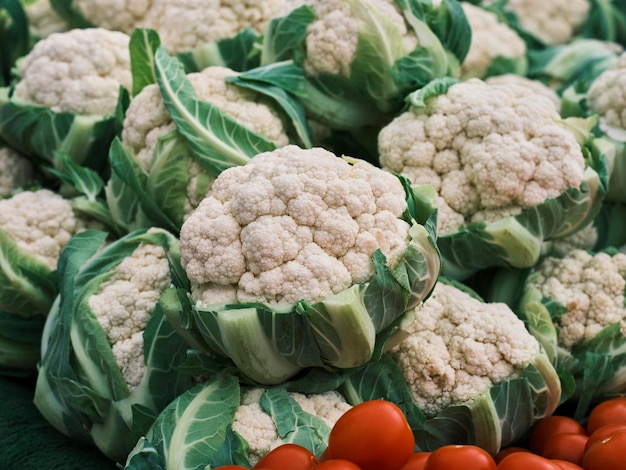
(15, 171)
(491, 39)
(79, 71)
(606, 96)
(459, 347)
(490, 151)
(182, 25)
(258, 428)
(292, 225)
(124, 303)
(43, 20)
(534, 85)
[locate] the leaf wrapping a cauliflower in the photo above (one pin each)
(109, 357)
(302, 259)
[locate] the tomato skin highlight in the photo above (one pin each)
(416, 461)
(546, 427)
(612, 411)
(459, 457)
(607, 453)
(527, 461)
(508, 450)
(375, 435)
(338, 464)
(288, 457)
(603, 432)
(566, 446)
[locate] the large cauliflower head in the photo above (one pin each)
(490, 150)
(459, 347)
(78, 71)
(293, 224)
(607, 97)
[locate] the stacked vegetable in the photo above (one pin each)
(219, 234)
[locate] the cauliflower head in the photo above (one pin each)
(490, 39)
(606, 96)
(489, 150)
(78, 71)
(292, 224)
(43, 20)
(459, 347)
(15, 171)
(535, 85)
(590, 286)
(41, 222)
(258, 428)
(124, 303)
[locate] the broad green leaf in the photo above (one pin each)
(143, 45)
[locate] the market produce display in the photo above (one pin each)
(314, 234)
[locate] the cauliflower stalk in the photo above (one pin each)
(503, 163)
(109, 359)
(468, 372)
(324, 248)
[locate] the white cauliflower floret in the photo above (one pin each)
(182, 24)
(124, 303)
(489, 150)
(79, 71)
(147, 120)
(534, 85)
(490, 39)
(41, 222)
(459, 347)
(607, 97)
(554, 22)
(43, 20)
(258, 428)
(294, 224)
(590, 286)
(15, 171)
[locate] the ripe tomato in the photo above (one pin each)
(288, 457)
(607, 453)
(546, 427)
(338, 464)
(603, 432)
(374, 434)
(565, 465)
(527, 461)
(508, 450)
(416, 461)
(611, 411)
(459, 457)
(568, 446)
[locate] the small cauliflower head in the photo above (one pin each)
(490, 39)
(147, 120)
(292, 224)
(182, 25)
(15, 171)
(43, 20)
(41, 223)
(258, 428)
(590, 286)
(606, 97)
(78, 71)
(489, 150)
(124, 303)
(459, 347)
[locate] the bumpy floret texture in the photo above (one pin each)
(294, 224)
(590, 286)
(554, 22)
(124, 303)
(459, 347)
(43, 20)
(607, 95)
(490, 39)
(489, 150)
(258, 429)
(15, 171)
(79, 71)
(41, 222)
(534, 85)
(182, 24)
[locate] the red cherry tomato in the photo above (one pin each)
(565, 465)
(603, 432)
(612, 411)
(568, 446)
(416, 461)
(288, 457)
(546, 427)
(374, 434)
(459, 457)
(607, 453)
(508, 450)
(338, 464)
(526, 461)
